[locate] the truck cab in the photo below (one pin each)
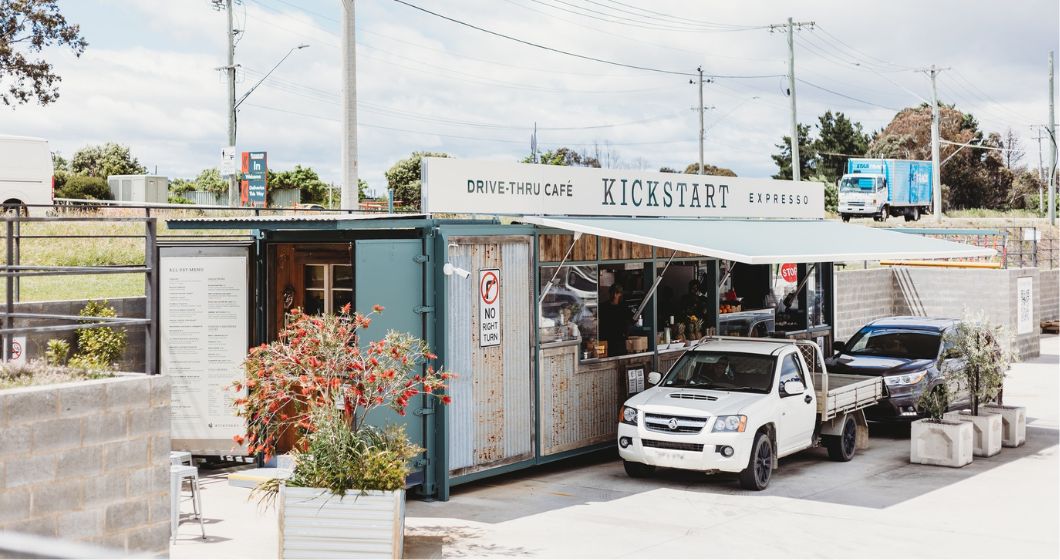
(863, 195)
(738, 405)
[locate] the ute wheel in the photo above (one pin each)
(846, 217)
(637, 470)
(842, 447)
(760, 465)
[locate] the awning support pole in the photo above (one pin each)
(802, 284)
(655, 286)
(551, 281)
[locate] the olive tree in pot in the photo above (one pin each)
(936, 440)
(321, 382)
(983, 376)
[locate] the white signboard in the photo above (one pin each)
(228, 161)
(1024, 305)
(495, 187)
(203, 339)
(17, 353)
(489, 307)
(635, 381)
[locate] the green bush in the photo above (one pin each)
(84, 187)
(99, 347)
(934, 402)
(177, 199)
(831, 198)
(58, 352)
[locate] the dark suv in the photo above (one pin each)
(911, 355)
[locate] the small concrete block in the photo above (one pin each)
(82, 461)
(82, 400)
(111, 426)
(153, 538)
(14, 503)
(29, 406)
(61, 433)
(947, 443)
(58, 496)
(125, 515)
(105, 489)
(124, 455)
(31, 470)
(160, 392)
(15, 441)
(128, 394)
(1013, 423)
(158, 507)
(43, 526)
(77, 525)
(987, 431)
(149, 421)
(160, 448)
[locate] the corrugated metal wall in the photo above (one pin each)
(578, 407)
(490, 422)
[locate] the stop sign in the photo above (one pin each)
(789, 272)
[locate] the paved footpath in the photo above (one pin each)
(876, 506)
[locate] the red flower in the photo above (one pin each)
(378, 308)
(446, 399)
(238, 439)
(345, 309)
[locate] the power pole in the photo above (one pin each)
(936, 165)
(233, 188)
(348, 199)
(796, 171)
(533, 144)
(1052, 145)
(700, 108)
(1041, 170)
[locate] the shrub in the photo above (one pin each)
(39, 373)
(84, 187)
(934, 402)
(99, 347)
(974, 340)
(58, 352)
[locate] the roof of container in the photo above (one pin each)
(307, 220)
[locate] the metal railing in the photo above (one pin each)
(1016, 246)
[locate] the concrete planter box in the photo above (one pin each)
(946, 443)
(987, 429)
(1014, 423)
(88, 461)
(314, 523)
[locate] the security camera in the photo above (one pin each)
(450, 270)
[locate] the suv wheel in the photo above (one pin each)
(760, 465)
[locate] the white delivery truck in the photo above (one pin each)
(26, 175)
(739, 404)
(881, 188)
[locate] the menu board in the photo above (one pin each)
(203, 339)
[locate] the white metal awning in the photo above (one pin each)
(768, 241)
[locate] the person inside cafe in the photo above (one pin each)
(693, 303)
(615, 321)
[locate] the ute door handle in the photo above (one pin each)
(807, 399)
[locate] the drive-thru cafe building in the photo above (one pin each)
(552, 291)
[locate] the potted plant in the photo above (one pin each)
(320, 382)
(983, 374)
(936, 440)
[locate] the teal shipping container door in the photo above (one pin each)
(388, 273)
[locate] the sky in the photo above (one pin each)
(149, 77)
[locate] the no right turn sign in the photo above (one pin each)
(489, 305)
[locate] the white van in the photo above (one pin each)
(26, 174)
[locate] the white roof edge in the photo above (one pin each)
(14, 137)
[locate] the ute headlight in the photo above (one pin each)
(628, 415)
(905, 378)
(735, 423)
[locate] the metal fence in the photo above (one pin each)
(1017, 246)
(282, 198)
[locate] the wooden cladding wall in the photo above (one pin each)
(552, 247)
(617, 249)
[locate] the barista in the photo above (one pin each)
(615, 321)
(693, 303)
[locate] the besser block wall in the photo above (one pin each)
(88, 461)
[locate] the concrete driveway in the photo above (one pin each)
(878, 505)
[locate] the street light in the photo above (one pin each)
(267, 74)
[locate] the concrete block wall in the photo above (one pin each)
(88, 461)
(1050, 301)
(862, 296)
(37, 343)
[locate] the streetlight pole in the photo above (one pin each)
(348, 198)
(233, 191)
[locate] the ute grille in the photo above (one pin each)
(679, 446)
(685, 424)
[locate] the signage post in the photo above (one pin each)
(255, 177)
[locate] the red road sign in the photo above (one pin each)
(490, 287)
(789, 272)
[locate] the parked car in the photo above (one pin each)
(912, 357)
(737, 405)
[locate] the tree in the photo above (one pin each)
(362, 189)
(60, 169)
(665, 169)
(208, 180)
(105, 160)
(404, 178)
(807, 155)
(84, 187)
(693, 169)
(27, 27)
(305, 179)
(565, 156)
(1013, 151)
(837, 138)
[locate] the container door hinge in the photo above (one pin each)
(423, 309)
(421, 258)
(423, 411)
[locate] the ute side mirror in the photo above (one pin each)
(793, 388)
(838, 346)
(654, 378)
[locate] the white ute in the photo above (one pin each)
(738, 405)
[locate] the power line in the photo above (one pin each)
(843, 95)
(678, 18)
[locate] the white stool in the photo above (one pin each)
(180, 458)
(177, 474)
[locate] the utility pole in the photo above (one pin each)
(796, 170)
(1052, 144)
(533, 144)
(348, 199)
(936, 165)
(1041, 171)
(233, 189)
(700, 108)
